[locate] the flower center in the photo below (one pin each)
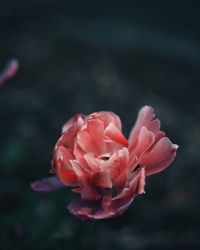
(105, 158)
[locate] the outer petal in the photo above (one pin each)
(47, 185)
(89, 210)
(159, 157)
(70, 130)
(145, 119)
(67, 139)
(76, 120)
(62, 166)
(81, 208)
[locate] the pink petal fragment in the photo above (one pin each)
(47, 185)
(159, 157)
(9, 71)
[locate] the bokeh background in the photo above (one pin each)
(85, 56)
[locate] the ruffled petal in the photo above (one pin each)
(68, 138)
(145, 119)
(145, 140)
(90, 139)
(108, 206)
(87, 186)
(117, 166)
(107, 117)
(122, 201)
(47, 185)
(159, 157)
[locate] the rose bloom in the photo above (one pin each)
(106, 170)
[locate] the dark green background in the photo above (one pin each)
(86, 56)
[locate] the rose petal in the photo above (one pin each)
(47, 185)
(159, 157)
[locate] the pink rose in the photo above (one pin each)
(102, 166)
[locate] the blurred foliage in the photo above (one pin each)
(88, 56)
